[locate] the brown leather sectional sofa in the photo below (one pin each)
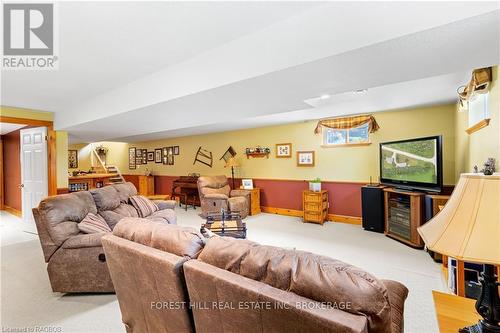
(76, 261)
(170, 279)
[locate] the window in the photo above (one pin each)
(352, 136)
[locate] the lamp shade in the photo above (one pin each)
(231, 163)
(468, 227)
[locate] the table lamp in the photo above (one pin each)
(231, 162)
(468, 229)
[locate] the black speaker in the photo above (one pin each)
(372, 202)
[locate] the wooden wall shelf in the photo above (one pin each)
(257, 155)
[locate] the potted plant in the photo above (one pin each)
(315, 185)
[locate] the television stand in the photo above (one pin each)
(404, 213)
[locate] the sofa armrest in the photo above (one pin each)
(397, 293)
(240, 193)
(83, 240)
(216, 196)
(165, 204)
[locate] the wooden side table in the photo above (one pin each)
(454, 312)
(146, 185)
(254, 201)
(315, 206)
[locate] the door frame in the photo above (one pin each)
(51, 147)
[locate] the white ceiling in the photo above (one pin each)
(152, 70)
(7, 128)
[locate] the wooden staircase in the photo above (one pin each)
(112, 169)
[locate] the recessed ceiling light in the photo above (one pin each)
(325, 96)
(360, 91)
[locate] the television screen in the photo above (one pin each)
(412, 163)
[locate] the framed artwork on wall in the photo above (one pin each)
(144, 156)
(138, 152)
(247, 184)
(305, 158)
(158, 155)
(131, 158)
(283, 150)
(151, 156)
(138, 161)
(72, 159)
(176, 150)
(170, 150)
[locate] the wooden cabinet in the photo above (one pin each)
(146, 185)
(88, 182)
(254, 201)
(404, 213)
(315, 206)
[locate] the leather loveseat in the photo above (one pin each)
(231, 285)
(76, 261)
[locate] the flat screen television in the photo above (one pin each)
(414, 164)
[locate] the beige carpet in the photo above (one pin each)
(27, 300)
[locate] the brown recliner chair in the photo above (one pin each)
(145, 259)
(76, 261)
(216, 194)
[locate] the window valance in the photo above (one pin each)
(479, 83)
(348, 122)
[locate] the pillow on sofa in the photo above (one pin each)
(144, 206)
(92, 224)
(105, 198)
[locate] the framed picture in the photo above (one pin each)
(165, 153)
(131, 158)
(151, 156)
(170, 160)
(72, 159)
(247, 184)
(170, 150)
(144, 156)
(138, 161)
(138, 152)
(283, 150)
(305, 158)
(176, 150)
(158, 155)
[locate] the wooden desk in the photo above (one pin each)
(454, 312)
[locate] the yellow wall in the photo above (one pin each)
(339, 164)
(9, 111)
(115, 155)
(476, 148)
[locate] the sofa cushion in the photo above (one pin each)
(105, 198)
(125, 191)
(165, 215)
(143, 205)
(93, 224)
(63, 212)
(313, 276)
(181, 241)
(112, 217)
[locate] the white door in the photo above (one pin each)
(34, 174)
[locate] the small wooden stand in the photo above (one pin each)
(315, 206)
(416, 200)
(254, 201)
(146, 185)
